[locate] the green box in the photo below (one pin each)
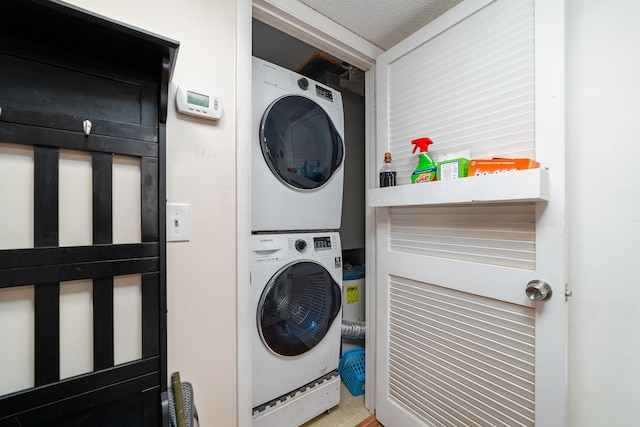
(452, 169)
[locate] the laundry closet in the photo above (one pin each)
(307, 216)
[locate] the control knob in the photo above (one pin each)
(301, 245)
(303, 83)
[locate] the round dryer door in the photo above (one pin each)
(297, 307)
(300, 143)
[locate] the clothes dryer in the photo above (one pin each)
(296, 282)
(297, 152)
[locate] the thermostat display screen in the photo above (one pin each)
(198, 103)
(197, 99)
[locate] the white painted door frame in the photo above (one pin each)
(243, 211)
(304, 23)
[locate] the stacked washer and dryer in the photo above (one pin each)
(296, 275)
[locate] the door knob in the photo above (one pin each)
(537, 290)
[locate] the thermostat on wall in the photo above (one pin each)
(198, 103)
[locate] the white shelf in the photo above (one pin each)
(531, 185)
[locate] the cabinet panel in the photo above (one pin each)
(47, 94)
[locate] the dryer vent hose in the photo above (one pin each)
(353, 329)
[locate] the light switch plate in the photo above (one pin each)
(178, 223)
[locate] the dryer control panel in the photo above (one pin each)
(324, 93)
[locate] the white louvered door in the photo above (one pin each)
(459, 343)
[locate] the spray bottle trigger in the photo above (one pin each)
(422, 143)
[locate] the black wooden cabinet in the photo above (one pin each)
(63, 70)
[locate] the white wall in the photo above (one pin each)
(603, 135)
(201, 277)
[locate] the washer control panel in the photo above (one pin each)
(266, 248)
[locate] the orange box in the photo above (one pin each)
(499, 165)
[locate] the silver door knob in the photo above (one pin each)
(537, 290)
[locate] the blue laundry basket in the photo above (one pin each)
(351, 370)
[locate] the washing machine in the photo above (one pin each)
(296, 282)
(297, 152)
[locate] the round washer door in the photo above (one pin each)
(297, 307)
(300, 143)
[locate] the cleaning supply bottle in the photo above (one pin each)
(387, 172)
(427, 167)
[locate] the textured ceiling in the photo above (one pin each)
(382, 22)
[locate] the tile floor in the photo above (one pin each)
(349, 412)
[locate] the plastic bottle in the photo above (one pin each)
(303, 169)
(427, 167)
(387, 172)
